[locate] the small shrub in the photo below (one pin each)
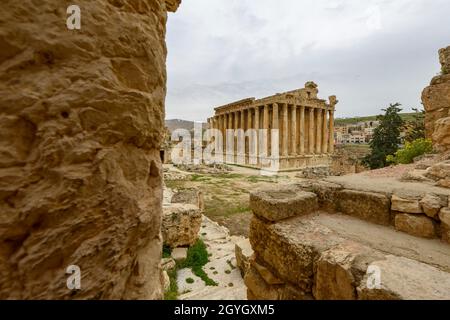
(190, 280)
(227, 271)
(410, 151)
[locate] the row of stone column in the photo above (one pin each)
(302, 130)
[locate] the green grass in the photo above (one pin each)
(172, 293)
(200, 178)
(197, 257)
(190, 280)
(175, 184)
(166, 252)
(256, 179)
(217, 207)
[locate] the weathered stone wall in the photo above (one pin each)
(81, 122)
(436, 100)
(302, 250)
(347, 159)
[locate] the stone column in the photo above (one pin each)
(331, 132)
(224, 129)
(302, 130)
(285, 131)
(324, 132)
(319, 131)
(275, 121)
(294, 130)
(236, 127)
(256, 127)
(311, 130)
(216, 126)
(249, 127)
(266, 122)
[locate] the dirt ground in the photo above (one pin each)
(226, 195)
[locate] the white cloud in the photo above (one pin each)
(222, 50)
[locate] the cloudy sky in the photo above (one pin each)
(369, 53)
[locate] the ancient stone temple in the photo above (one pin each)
(304, 123)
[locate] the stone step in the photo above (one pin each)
(217, 293)
(331, 256)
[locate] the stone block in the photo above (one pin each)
(369, 206)
(180, 224)
(179, 254)
(416, 225)
(243, 252)
(444, 216)
(189, 196)
(406, 205)
(432, 204)
(282, 203)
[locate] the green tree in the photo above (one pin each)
(415, 129)
(386, 139)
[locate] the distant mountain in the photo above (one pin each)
(181, 124)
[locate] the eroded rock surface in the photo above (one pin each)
(436, 100)
(81, 121)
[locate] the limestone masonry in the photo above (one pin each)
(81, 123)
(305, 124)
(436, 100)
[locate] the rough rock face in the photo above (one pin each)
(181, 224)
(436, 100)
(81, 121)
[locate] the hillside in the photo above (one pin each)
(344, 121)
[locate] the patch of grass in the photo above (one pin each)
(172, 293)
(175, 184)
(166, 252)
(228, 176)
(197, 257)
(199, 178)
(256, 179)
(190, 280)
